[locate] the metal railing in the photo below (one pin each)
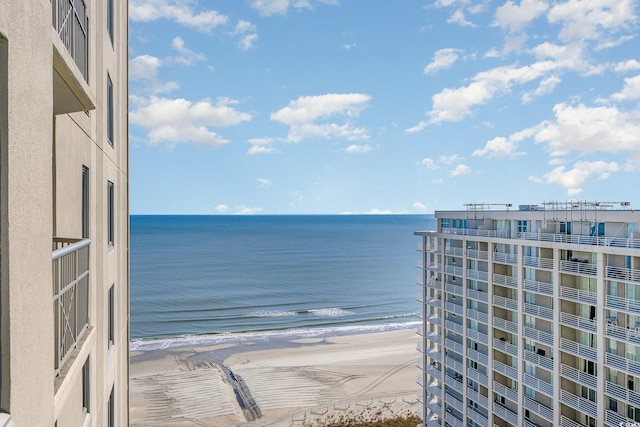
(577, 267)
(578, 239)
(623, 274)
(505, 325)
(540, 287)
(621, 303)
(508, 303)
(70, 297)
(505, 258)
(502, 280)
(540, 336)
(505, 347)
(580, 295)
(508, 371)
(578, 376)
(579, 403)
(475, 253)
(543, 410)
(71, 22)
(539, 311)
(478, 315)
(506, 414)
(579, 350)
(531, 261)
(538, 384)
(477, 274)
(578, 322)
(622, 393)
(505, 391)
(625, 334)
(538, 359)
(621, 363)
(478, 294)
(478, 376)
(477, 336)
(568, 422)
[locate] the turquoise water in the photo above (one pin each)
(202, 275)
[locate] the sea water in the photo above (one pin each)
(211, 279)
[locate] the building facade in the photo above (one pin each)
(531, 316)
(64, 239)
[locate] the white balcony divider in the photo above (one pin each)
(505, 258)
(70, 297)
(508, 303)
(71, 22)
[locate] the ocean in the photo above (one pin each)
(207, 279)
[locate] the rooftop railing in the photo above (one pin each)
(72, 25)
(70, 297)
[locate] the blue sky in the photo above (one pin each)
(377, 106)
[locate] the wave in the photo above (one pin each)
(272, 314)
(145, 344)
(330, 312)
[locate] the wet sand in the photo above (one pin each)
(292, 384)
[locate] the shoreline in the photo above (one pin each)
(293, 379)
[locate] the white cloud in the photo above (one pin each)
(586, 130)
(246, 210)
(417, 128)
(355, 148)
(573, 179)
(187, 56)
(247, 33)
(442, 59)
(376, 211)
(261, 146)
(264, 183)
(545, 87)
(301, 114)
(449, 160)
(270, 7)
(420, 206)
(459, 18)
(631, 89)
(180, 11)
(222, 208)
(179, 120)
(513, 17)
(592, 19)
(630, 65)
(460, 170)
(429, 163)
(144, 68)
(501, 147)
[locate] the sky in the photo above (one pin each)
(380, 106)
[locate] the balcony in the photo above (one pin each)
(478, 275)
(505, 325)
(538, 408)
(623, 274)
(505, 258)
(578, 322)
(506, 414)
(454, 251)
(508, 303)
(613, 419)
(568, 422)
(540, 336)
(622, 363)
(579, 403)
(531, 261)
(452, 420)
(578, 376)
(539, 287)
(505, 391)
(477, 376)
(505, 347)
(630, 397)
(622, 304)
(454, 289)
(578, 267)
(479, 295)
(457, 271)
(478, 315)
(538, 359)
(538, 384)
(577, 239)
(476, 416)
(70, 296)
(454, 308)
(579, 350)
(455, 327)
(477, 336)
(454, 364)
(506, 370)
(502, 280)
(474, 253)
(474, 396)
(71, 57)
(452, 345)
(476, 356)
(625, 334)
(578, 295)
(545, 313)
(453, 401)
(454, 382)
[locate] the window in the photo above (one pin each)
(109, 110)
(85, 202)
(110, 213)
(445, 223)
(110, 18)
(522, 226)
(111, 319)
(86, 386)
(111, 422)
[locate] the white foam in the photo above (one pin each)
(272, 314)
(330, 312)
(234, 338)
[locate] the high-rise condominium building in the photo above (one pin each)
(64, 239)
(531, 317)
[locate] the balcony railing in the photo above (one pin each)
(476, 397)
(579, 350)
(539, 311)
(72, 25)
(540, 287)
(622, 363)
(626, 334)
(624, 304)
(508, 303)
(452, 363)
(538, 359)
(505, 258)
(506, 370)
(479, 295)
(621, 393)
(568, 422)
(476, 356)
(454, 289)
(477, 336)
(540, 336)
(70, 297)
(578, 376)
(578, 322)
(474, 253)
(531, 261)
(542, 410)
(577, 239)
(505, 325)
(506, 414)
(579, 295)
(579, 403)
(477, 376)
(477, 274)
(455, 327)
(502, 280)
(478, 315)
(505, 347)
(505, 391)
(577, 267)
(538, 384)
(623, 274)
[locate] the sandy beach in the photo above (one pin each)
(287, 383)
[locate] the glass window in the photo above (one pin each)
(85, 202)
(86, 386)
(110, 213)
(111, 315)
(109, 110)
(110, 18)
(111, 422)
